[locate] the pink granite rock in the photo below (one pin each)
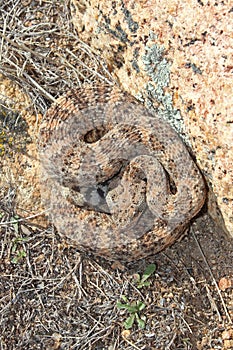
(178, 58)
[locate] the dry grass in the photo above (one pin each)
(41, 51)
(51, 297)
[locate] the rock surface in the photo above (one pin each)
(20, 170)
(177, 57)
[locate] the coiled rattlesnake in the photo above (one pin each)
(117, 179)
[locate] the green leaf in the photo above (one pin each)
(129, 321)
(120, 305)
(140, 322)
(148, 272)
(130, 308)
(143, 284)
(140, 306)
(14, 248)
(22, 254)
(123, 297)
(19, 256)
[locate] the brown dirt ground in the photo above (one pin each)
(53, 297)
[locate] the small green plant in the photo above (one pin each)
(134, 310)
(19, 255)
(18, 252)
(141, 281)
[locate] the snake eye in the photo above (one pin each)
(95, 134)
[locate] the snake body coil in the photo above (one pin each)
(118, 180)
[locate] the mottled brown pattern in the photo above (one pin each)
(117, 179)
